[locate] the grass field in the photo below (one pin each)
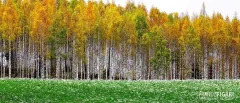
(62, 91)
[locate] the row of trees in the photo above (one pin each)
(92, 40)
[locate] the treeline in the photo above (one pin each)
(92, 40)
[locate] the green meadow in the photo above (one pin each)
(94, 91)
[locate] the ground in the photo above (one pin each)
(77, 91)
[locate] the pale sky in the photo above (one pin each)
(225, 7)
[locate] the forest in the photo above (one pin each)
(77, 39)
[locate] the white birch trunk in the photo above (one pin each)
(33, 66)
(4, 66)
(62, 67)
(38, 59)
(98, 54)
(81, 68)
(48, 69)
(111, 62)
(88, 64)
(106, 61)
(9, 60)
(141, 66)
(98, 65)
(42, 60)
(235, 67)
(58, 66)
(205, 65)
(28, 58)
(23, 57)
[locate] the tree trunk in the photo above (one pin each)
(9, 59)
(75, 62)
(98, 54)
(4, 66)
(88, 62)
(81, 68)
(109, 61)
(148, 64)
(223, 66)
(42, 60)
(205, 67)
(58, 66)
(230, 66)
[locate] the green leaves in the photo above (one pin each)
(161, 59)
(146, 40)
(141, 25)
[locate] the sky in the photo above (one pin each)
(225, 7)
